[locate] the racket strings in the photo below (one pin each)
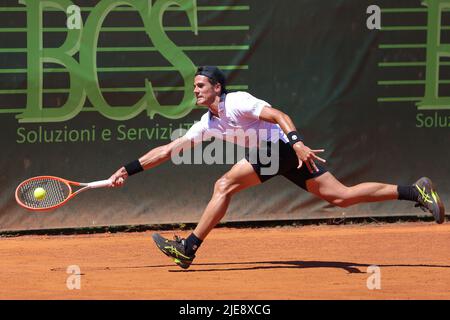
(56, 192)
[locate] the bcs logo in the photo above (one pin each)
(83, 74)
(435, 50)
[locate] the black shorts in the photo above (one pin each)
(262, 162)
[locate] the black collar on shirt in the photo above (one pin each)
(220, 107)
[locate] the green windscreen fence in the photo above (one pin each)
(87, 86)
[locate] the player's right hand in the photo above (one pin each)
(119, 177)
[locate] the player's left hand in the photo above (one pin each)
(308, 156)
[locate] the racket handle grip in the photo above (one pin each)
(100, 184)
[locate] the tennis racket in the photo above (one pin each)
(58, 191)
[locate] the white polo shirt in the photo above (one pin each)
(238, 122)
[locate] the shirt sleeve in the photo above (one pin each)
(251, 107)
(199, 129)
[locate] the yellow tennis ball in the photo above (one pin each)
(39, 193)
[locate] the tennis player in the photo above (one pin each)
(240, 112)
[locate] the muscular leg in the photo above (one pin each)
(330, 189)
(240, 177)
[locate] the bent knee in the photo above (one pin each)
(224, 186)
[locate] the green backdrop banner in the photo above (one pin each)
(86, 86)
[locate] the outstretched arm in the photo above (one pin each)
(304, 153)
(153, 158)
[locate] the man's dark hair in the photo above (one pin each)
(214, 75)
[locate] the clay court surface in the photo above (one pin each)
(302, 262)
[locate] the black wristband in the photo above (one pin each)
(133, 167)
(294, 137)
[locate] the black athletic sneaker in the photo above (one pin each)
(429, 199)
(174, 249)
